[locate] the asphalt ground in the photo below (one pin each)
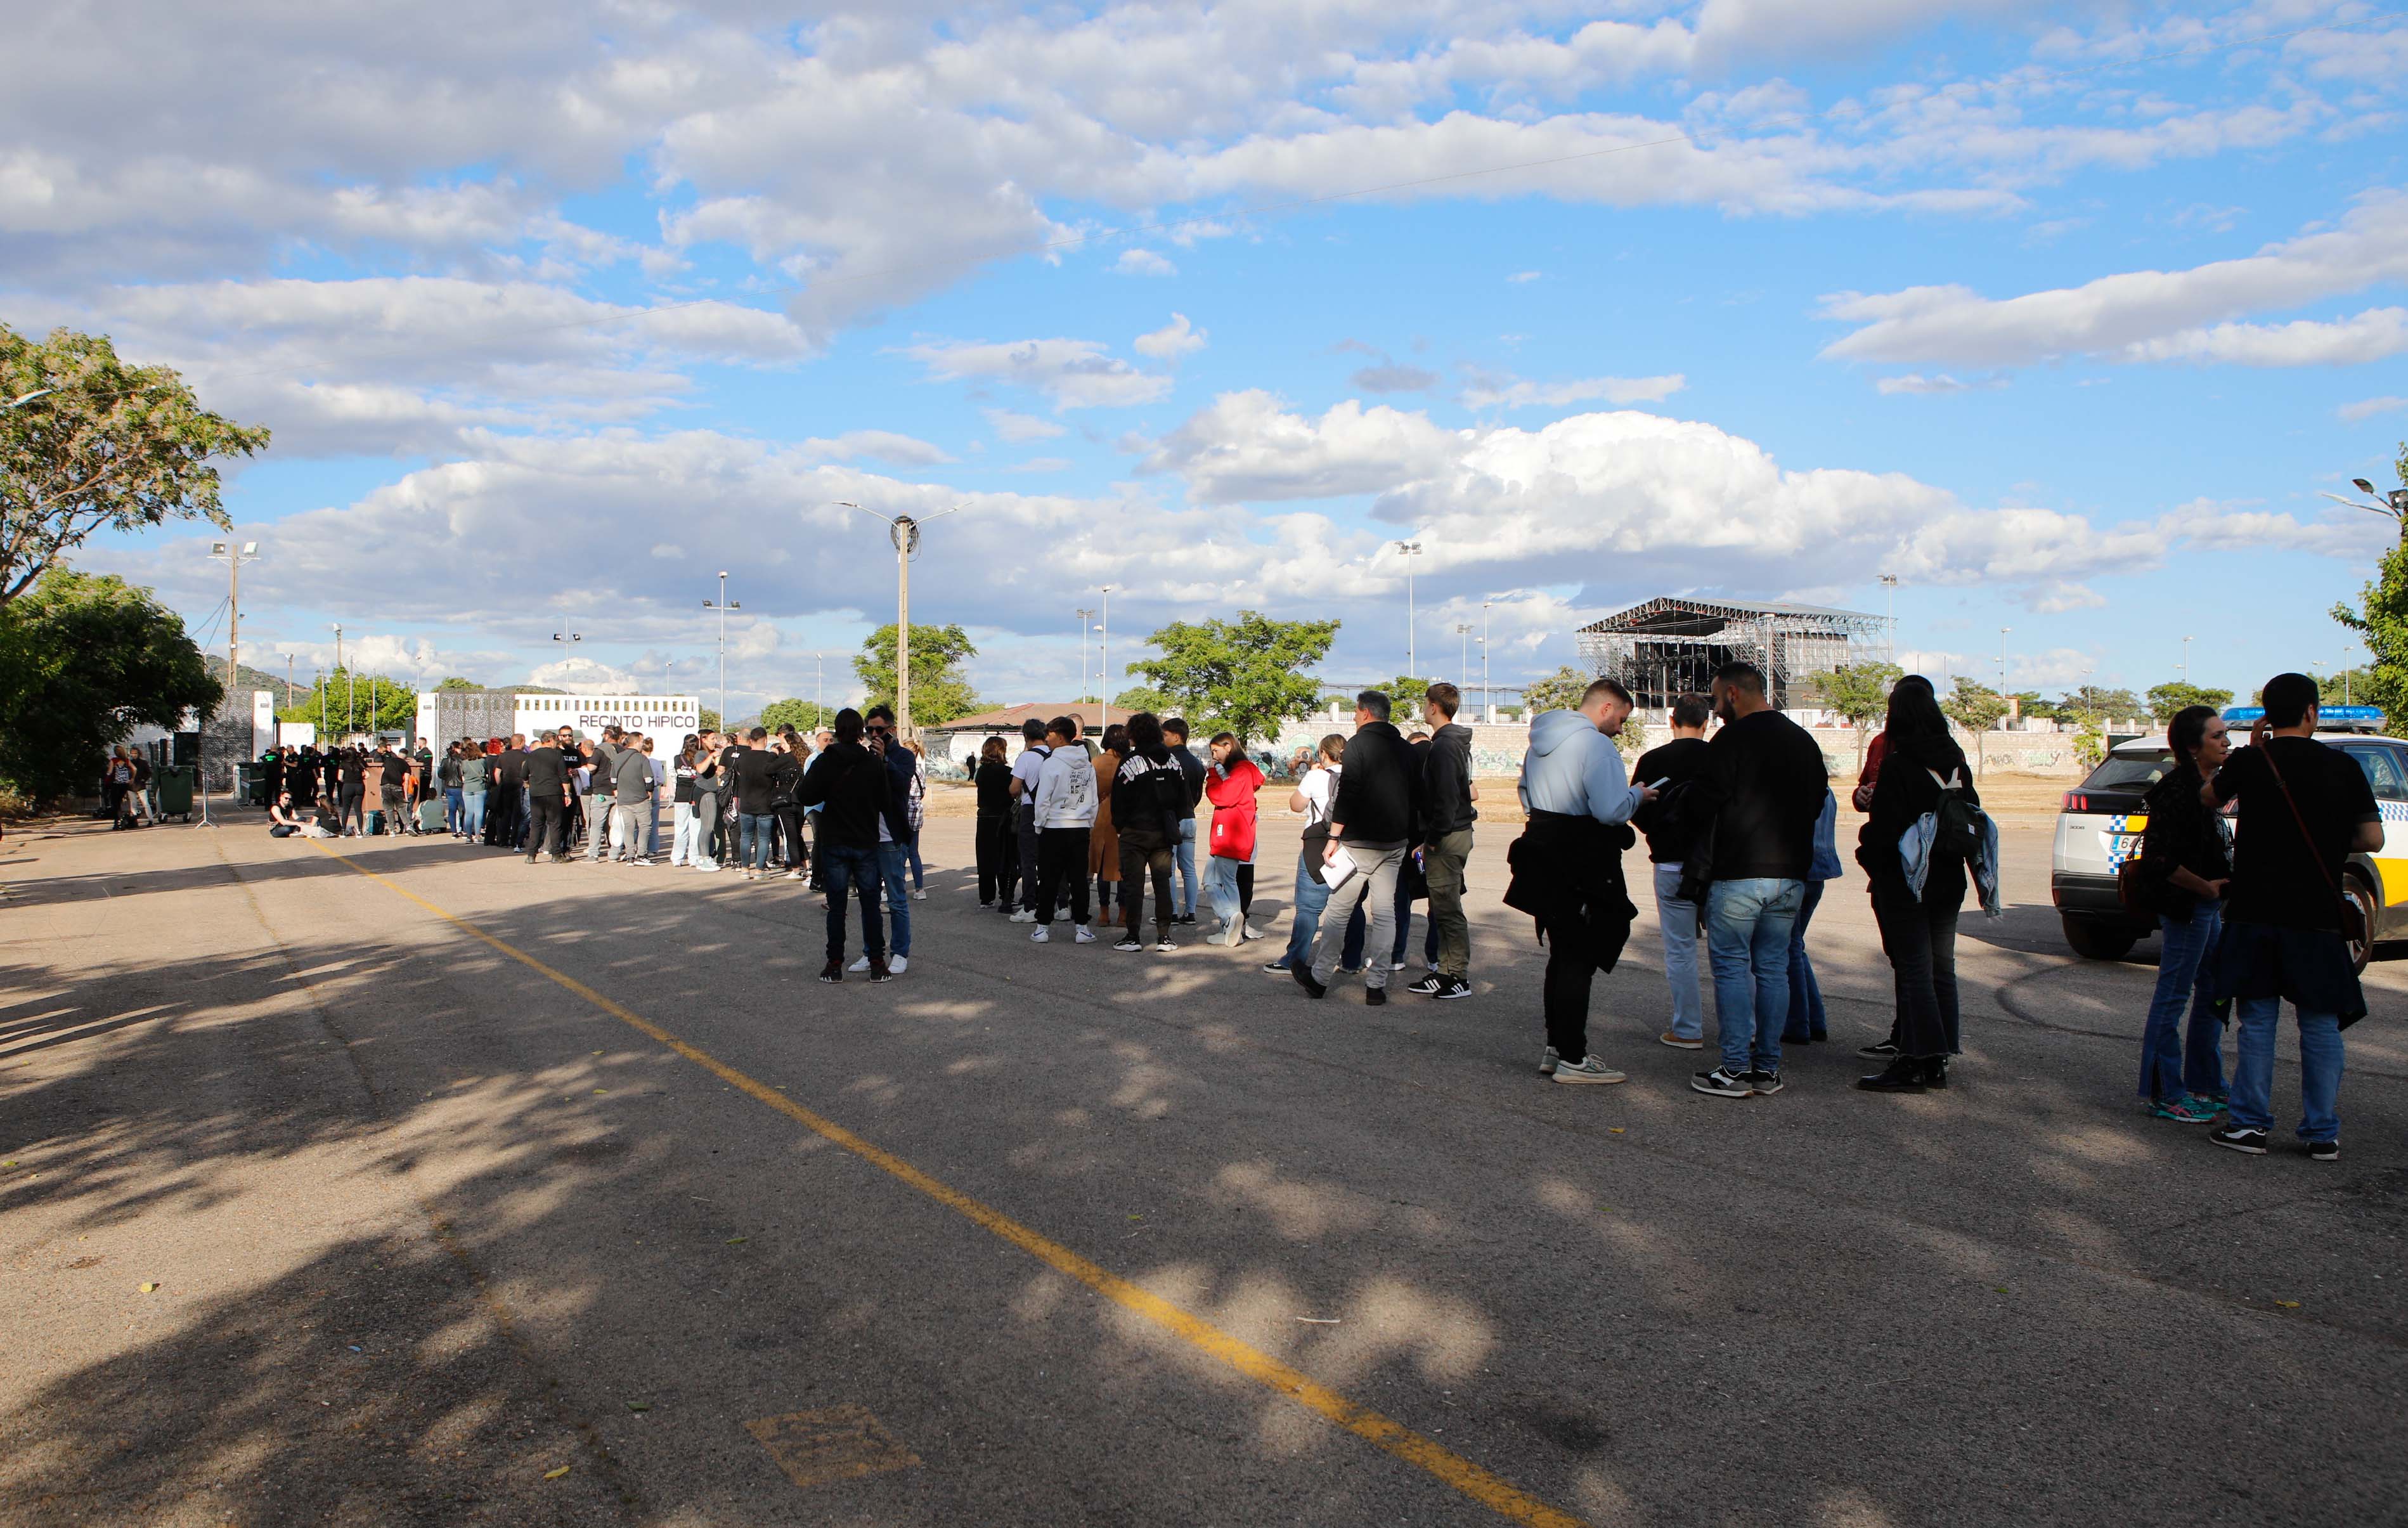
(476, 1191)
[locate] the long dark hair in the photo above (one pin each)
(1914, 712)
(2188, 730)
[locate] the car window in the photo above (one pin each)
(2132, 772)
(2382, 772)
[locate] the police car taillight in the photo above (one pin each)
(2076, 801)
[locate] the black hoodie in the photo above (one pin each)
(1446, 782)
(848, 784)
(1904, 791)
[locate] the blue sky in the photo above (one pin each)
(2065, 314)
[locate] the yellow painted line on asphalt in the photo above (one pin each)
(1481, 1485)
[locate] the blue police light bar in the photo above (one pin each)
(2332, 717)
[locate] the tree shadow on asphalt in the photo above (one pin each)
(1593, 1369)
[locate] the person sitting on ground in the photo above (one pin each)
(284, 821)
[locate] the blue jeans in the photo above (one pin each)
(1678, 922)
(454, 809)
(2170, 1068)
(2253, 1070)
(1183, 854)
(856, 870)
(892, 865)
(753, 838)
(472, 813)
(919, 871)
(1806, 1018)
(1311, 898)
(1747, 941)
(1221, 885)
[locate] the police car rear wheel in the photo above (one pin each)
(2370, 911)
(2097, 942)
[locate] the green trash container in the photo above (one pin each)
(250, 783)
(174, 783)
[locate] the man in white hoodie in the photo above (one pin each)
(1066, 814)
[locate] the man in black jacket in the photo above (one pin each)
(548, 799)
(1670, 767)
(1370, 824)
(1447, 816)
(1759, 792)
(849, 785)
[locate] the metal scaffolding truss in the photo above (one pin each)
(1663, 648)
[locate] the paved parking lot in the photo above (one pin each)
(399, 1182)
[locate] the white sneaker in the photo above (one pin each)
(897, 965)
(1548, 1063)
(1023, 916)
(860, 963)
(1084, 937)
(710, 868)
(1165, 947)
(1043, 936)
(1587, 1069)
(919, 896)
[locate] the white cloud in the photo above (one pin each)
(2366, 409)
(1915, 383)
(881, 445)
(1018, 427)
(1498, 391)
(1172, 340)
(1143, 262)
(2153, 315)
(1074, 373)
(1244, 445)
(1042, 464)
(1520, 277)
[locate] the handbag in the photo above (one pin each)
(2353, 917)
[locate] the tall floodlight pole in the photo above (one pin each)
(2002, 659)
(904, 531)
(1462, 649)
(723, 605)
(1488, 696)
(1889, 646)
(234, 557)
(1084, 616)
(1409, 551)
(1104, 660)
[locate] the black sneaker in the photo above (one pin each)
(2323, 1151)
(1304, 979)
(1453, 987)
(878, 970)
(1375, 996)
(1277, 968)
(1721, 1083)
(1879, 1050)
(2242, 1139)
(1429, 986)
(1767, 1083)
(1184, 918)
(833, 971)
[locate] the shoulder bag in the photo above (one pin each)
(2353, 917)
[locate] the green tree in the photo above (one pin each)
(97, 444)
(1559, 692)
(2381, 622)
(2175, 695)
(456, 683)
(345, 701)
(1859, 692)
(83, 658)
(1245, 675)
(2091, 702)
(1138, 697)
(804, 716)
(706, 719)
(1406, 693)
(940, 692)
(1976, 707)
(2033, 706)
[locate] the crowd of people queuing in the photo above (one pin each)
(1741, 828)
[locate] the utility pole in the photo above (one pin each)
(234, 557)
(904, 531)
(288, 681)
(1411, 551)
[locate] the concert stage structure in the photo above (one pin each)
(1660, 648)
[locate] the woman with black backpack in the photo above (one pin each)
(2186, 862)
(1922, 766)
(1148, 798)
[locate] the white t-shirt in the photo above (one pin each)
(1317, 788)
(1026, 769)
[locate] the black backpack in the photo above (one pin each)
(1961, 827)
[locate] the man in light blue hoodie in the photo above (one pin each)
(1567, 865)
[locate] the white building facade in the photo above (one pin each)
(446, 716)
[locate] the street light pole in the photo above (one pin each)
(2186, 663)
(904, 531)
(1411, 551)
(2002, 659)
(722, 606)
(1084, 616)
(1488, 696)
(1104, 660)
(1463, 650)
(1889, 624)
